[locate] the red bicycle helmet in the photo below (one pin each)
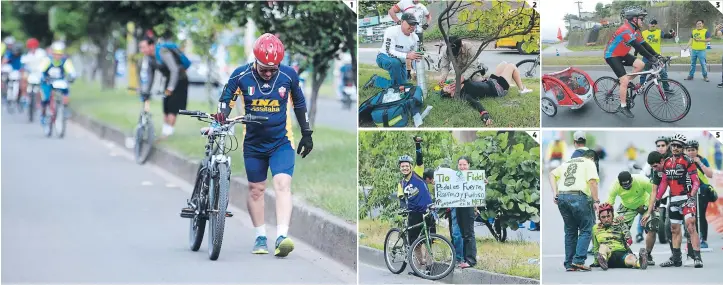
(268, 50)
(605, 207)
(32, 43)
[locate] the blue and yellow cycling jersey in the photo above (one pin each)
(57, 69)
(419, 197)
(265, 98)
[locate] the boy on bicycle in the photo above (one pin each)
(57, 67)
(617, 51)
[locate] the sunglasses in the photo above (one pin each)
(661, 145)
(268, 69)
(676, 146)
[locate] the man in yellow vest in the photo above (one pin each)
(719, 34)
(698, 38)
(654, 37)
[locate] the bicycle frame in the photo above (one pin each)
(425, 230)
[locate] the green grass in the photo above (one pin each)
(544, 46)
(513, 110)
(501, 257)
(713, 57)
(324, 179)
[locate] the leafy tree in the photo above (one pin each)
(26, 19)
(378, 8)
(493, 20)
(603, 11)
(317, 30)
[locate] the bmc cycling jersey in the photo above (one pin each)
(681, 174)
(265, 98)
(619, 44)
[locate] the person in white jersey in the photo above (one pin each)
(400, 43)
(419, 11)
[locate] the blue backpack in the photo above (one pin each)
(396, 113)
(185, 62)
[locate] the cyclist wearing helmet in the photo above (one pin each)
(33, 59)
(268, 88)
(634, 192)
(12, 56)
(707, 194)
(617, 51)
(681, 174)
(611, 240)
(59, 66)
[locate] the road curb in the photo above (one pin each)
(375, 257)
(672, 67)
(328, 234)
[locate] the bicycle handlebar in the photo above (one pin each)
(248, 118)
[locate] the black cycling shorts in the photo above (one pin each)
(416, 218)
(617, 259)
(619, 63)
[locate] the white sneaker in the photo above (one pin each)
(525, 91)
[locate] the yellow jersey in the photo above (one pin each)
(632, 153)
(574, 175)
(701, 34)
(653, 38)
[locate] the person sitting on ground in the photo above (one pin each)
(610, 239)
(496, 85)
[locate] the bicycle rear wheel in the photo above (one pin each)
(440, 253)
(219, 202)
(673, 105)
(60, 120)
(395, 251)
(607, 97)
(527, 68)
(145, 134)
(197, 224)
(31, 105)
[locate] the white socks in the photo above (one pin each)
(261, 231)
(282, 230)
(167, 129)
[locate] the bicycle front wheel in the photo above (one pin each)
(527, 68)
(607, 95)
(668, 101)
(197, 225)
(395, 256)
(432, 260)
(218, 217)
(144, 141)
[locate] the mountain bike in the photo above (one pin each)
(33, 94)
(399, 249)
(144, 136)
(12, 102)
(528, 67)
(57, 118)
(432, 63)
(209, 201)
(608, 100)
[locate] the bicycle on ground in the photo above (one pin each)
(399, 249)
(209, 200)
(607, 98)
(528, 67)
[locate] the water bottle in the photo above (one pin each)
(421, 78)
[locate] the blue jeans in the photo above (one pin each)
(457, 238)
(578, 217)
(663, 74)
(697, 55)
(397, 71)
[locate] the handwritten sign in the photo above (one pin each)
(459, 188)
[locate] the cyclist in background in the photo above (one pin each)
(268, 88)
(707, 194)
(33, 59)
(617, 51)
(12, 56)
(59, 66)
(609, 239)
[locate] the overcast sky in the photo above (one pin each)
(552, 12)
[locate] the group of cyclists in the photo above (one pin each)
(674, 186)
(33, 61)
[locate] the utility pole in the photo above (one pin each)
(579, 9)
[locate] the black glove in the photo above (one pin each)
(425, 26)
(485, 116)
(219, 117)
(305, 145)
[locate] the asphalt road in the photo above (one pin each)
(562, 49)
(372, 274)
(706, 100)
(490, 57)
(553, 250)
(78, 210)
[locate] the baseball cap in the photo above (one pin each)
(654, 22)
(579, 136)
(410, 19)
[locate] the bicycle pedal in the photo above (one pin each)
(229, 214)
(187, 213)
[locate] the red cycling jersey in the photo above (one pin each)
(619, 44)
(681, 174)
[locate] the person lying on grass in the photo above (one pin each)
(496, 85)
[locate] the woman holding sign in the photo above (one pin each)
(465, 220)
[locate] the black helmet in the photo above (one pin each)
(405, 158)
(663, 138)
(631, 12)
(693, 144)
(625, 179)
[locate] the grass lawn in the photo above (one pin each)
(501, 257)
(325, 178)
(544, 46)
(513, 110)
(713, 57)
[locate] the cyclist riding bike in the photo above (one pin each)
(33, 59)
(12, 57)
(680, 173)
(610, 239)
(57, 67)
(617, 51)
(267, 88)
(634, 192)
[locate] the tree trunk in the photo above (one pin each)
(106, 62)
(317, 78)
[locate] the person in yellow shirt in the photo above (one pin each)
(575, 186)
(56, 68)
(654, 36)
(698, 38)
